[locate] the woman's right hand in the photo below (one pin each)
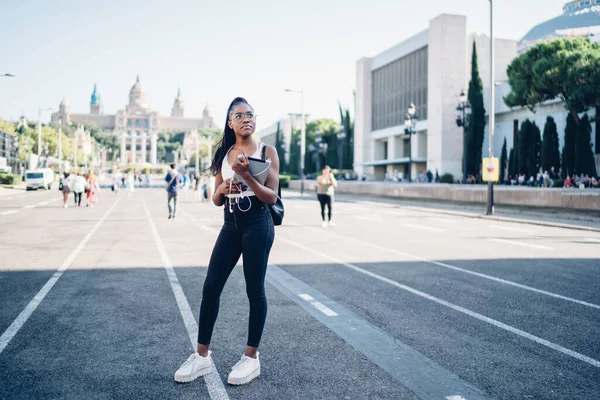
(224, 188)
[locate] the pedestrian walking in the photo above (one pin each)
(247, 230)
(118, 179)
(326, 184)
(65, 187)
(79, 185)
(91, 190)
(173, 180)
(130, 183)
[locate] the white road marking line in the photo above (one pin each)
(305, 297)
(18, 323)
(318, 305)
(323, 308)
(367, 218)
(30, 206)
(437, 219)
(455, 398)
(455, 307)
(9, 212)
(213, 381)
(509, 228)
(466, 271)
(43, 203)
(424, 228)
(522, 244)
(592, 240)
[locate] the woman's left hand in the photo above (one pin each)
(241, 166)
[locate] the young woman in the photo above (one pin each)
(325, 187)
(91, 190)
(66, 188)
(248, 230)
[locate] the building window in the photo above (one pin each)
(397, 85)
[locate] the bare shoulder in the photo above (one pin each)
(271, 152)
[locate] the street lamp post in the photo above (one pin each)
(410, 129)
(60, 146)
(302, 137)
(463, 118)
(490, 202)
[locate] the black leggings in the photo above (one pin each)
(249, 233)
(325, 199)
(77, 198)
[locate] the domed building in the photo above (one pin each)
(137, 125)
(580, 18)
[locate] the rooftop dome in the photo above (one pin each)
(137, 94)
(579, 18)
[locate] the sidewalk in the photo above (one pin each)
(572, 219)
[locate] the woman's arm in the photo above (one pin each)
(333, 181)
(266, 193)
(218, 198)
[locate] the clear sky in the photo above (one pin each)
(216, 50)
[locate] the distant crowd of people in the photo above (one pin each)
(548, 179)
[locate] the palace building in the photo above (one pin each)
(137, 125)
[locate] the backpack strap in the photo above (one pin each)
(263, 151)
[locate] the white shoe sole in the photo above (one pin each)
(243, 381)
(198, 374)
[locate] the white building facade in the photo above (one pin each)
(428, 70)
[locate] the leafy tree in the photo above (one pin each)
(475, 131)
(564, 68)
(584, 158)
(503, 161)
(568, 157)
(550, 154)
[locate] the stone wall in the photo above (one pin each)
(580, 199)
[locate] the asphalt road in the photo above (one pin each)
(391, 303)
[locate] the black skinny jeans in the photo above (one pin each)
(325, 200)
(78, 198)
(249, 233)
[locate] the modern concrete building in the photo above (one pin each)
(138, 125)
(428, 70)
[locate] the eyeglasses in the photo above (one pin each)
(237, 117)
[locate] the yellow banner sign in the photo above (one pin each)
(491, 169)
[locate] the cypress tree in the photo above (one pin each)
(533, 150)
(584, 158)
(476, 128)
(521, 147)
(503, 161)
(512, 161)
(568, 159)
(550, 153)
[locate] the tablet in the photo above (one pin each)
(259, 169)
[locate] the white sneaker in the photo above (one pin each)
(65, 206)
(331, 223)
(244, 371)
(194, 367)
(324, 224)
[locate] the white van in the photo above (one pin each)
(39, 178)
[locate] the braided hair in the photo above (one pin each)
(228, 138)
